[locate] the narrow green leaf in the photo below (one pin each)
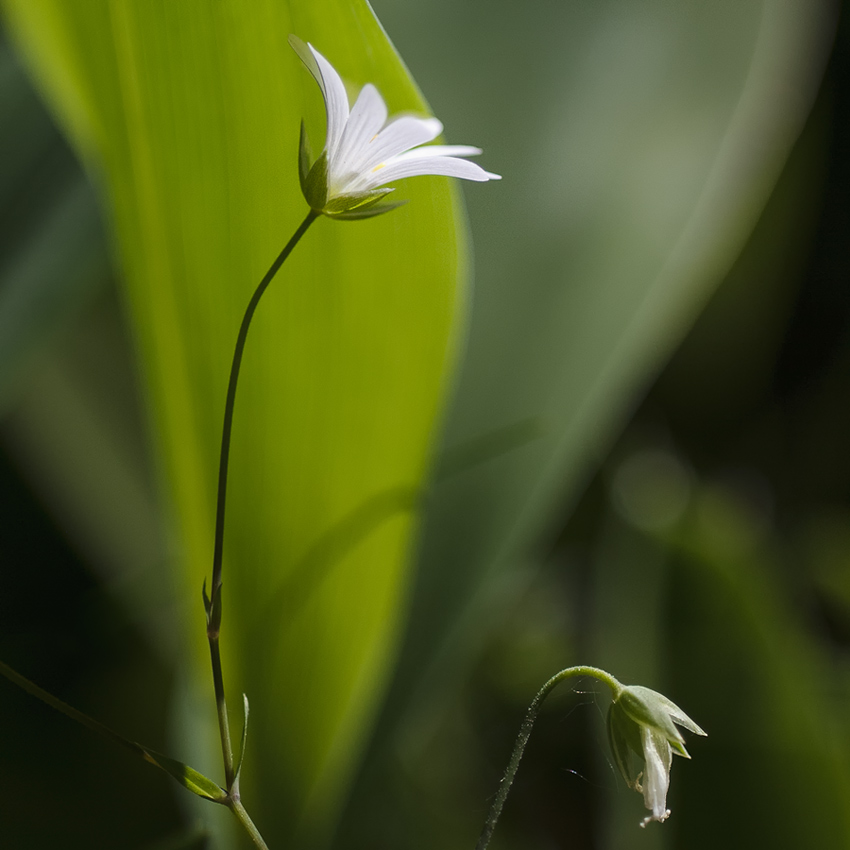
(244, 742)
(187, 776)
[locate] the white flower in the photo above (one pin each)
(363, 151)
(641, 722)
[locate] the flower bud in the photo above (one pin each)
(642, 723)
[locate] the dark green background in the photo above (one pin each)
(739, 611)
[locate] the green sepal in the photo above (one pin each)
(315, 185)
(619, 743)
(369, 212)
(349, 203)
(307, 58)
(678, 716)
(304, 159)
(628, 728)
(649, 708)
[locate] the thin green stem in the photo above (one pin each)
(231, 397)
(213, 602)
(522, 740)
(244, 818)
(221, 711)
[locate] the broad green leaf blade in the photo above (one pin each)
(192, 113)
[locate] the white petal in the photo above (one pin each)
(336, 102)
(415, 166)
(368, 115)
(656, 775)
(440, 150)
(398, 136)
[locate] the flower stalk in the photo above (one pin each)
(212, 602)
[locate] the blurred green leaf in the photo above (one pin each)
(639, 144)
(699, 607)
(771, 696)
(195, 840)
(52, 256)
(50, 277)
(189, 113)
(643, 143)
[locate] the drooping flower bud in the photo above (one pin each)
(642, 723)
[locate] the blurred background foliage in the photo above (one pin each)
(609, 491)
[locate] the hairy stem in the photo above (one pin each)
(522, 740)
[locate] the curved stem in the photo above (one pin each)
(522, 740)
(231, 395)
(213, 602)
